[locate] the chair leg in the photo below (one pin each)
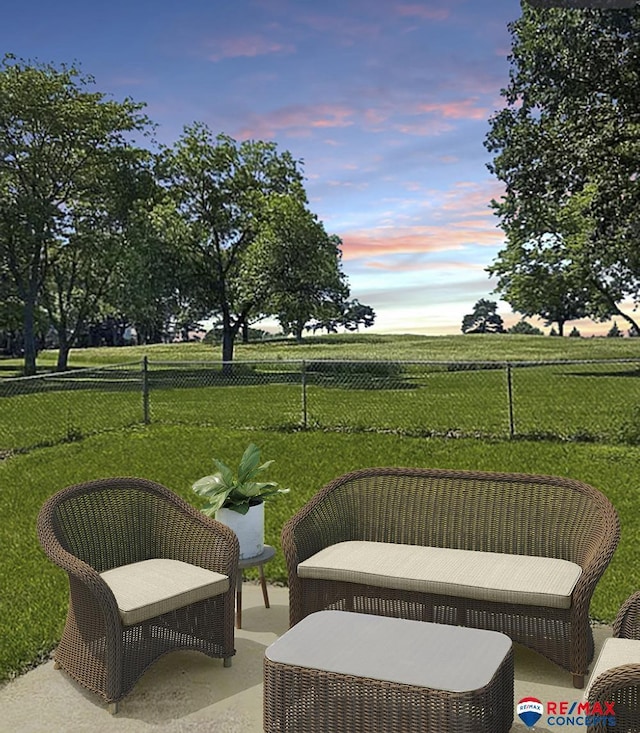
(56, 664)
(227, 661)
(113, 708)
(578, 681)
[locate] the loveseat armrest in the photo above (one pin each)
(627, 622)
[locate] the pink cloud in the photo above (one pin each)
(425, 128)
(463, 109)
(394, 266)
(247, 46)
(413, 10)
(341, 27)
(300, 120)
(472, 199)
(459, 220)
(422, 239)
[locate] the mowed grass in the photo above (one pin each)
(34, 598)
(588, 401)
(197, 413)
(477, 347)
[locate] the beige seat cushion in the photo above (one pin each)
(490, 576)
(153, 587)
(614, 653)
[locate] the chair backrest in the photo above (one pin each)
(110, 522)
(473, 510)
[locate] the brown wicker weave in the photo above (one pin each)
(494, 512)
(304, 699)
(621, 685)
(92, 527)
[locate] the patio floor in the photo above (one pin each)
(186, 692)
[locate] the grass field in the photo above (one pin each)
(192, 424)
(34, 598)
(565, 400)
(497, 347)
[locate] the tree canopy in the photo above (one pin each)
(95, 229)
(567, 147)
(483, 319)
(59, 147)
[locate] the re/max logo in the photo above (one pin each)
(580, 708)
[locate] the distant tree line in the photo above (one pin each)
(98, 233)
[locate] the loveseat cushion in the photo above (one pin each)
(152, 587)
(489, 576)
(614, 653)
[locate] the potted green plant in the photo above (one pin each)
(238, 500)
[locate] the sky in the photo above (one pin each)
(386, 102)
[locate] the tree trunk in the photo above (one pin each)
(64, 347)
(228, 338)
(245, 332)
(560, 328)
(29, 336)
(298, 331)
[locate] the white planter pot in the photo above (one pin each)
(248, 527)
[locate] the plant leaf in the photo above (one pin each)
(248, 463)
(226, 473)
(208, 485)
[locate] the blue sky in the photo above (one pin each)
(385, 101)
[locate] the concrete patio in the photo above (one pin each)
(187, 692)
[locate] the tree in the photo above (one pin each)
(293, 267)
(484, 318)
(566, 147)
(357, 314)
(54, 138)
(614, 332)
(525, 328)
(535, 281)
(221, 191)
(85, 259)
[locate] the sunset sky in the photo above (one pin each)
(386, 102)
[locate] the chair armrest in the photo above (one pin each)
(605, 686)
(627, 623)
(79, 571)
(200, 540)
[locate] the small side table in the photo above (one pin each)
(251, 562)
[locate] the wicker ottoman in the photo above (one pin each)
(338, 672)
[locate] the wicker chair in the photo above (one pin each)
(616, 675)
(148, 574)
(518, 514)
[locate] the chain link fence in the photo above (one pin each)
(566, 400)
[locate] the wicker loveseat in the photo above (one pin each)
(615, 678)
(515, 553)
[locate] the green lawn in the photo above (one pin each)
(34, 599)
(496, 347)
(587, 401)
(96, 429)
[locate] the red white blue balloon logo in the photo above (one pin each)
(530, 711)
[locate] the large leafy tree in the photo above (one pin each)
(567, 147)
(55, 136)
(85, 260)
(535, 282)
(221, 192)
(294, 265)
(483, 319)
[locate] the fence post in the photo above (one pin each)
(510, 396)
(304, 394)
(145, 390)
